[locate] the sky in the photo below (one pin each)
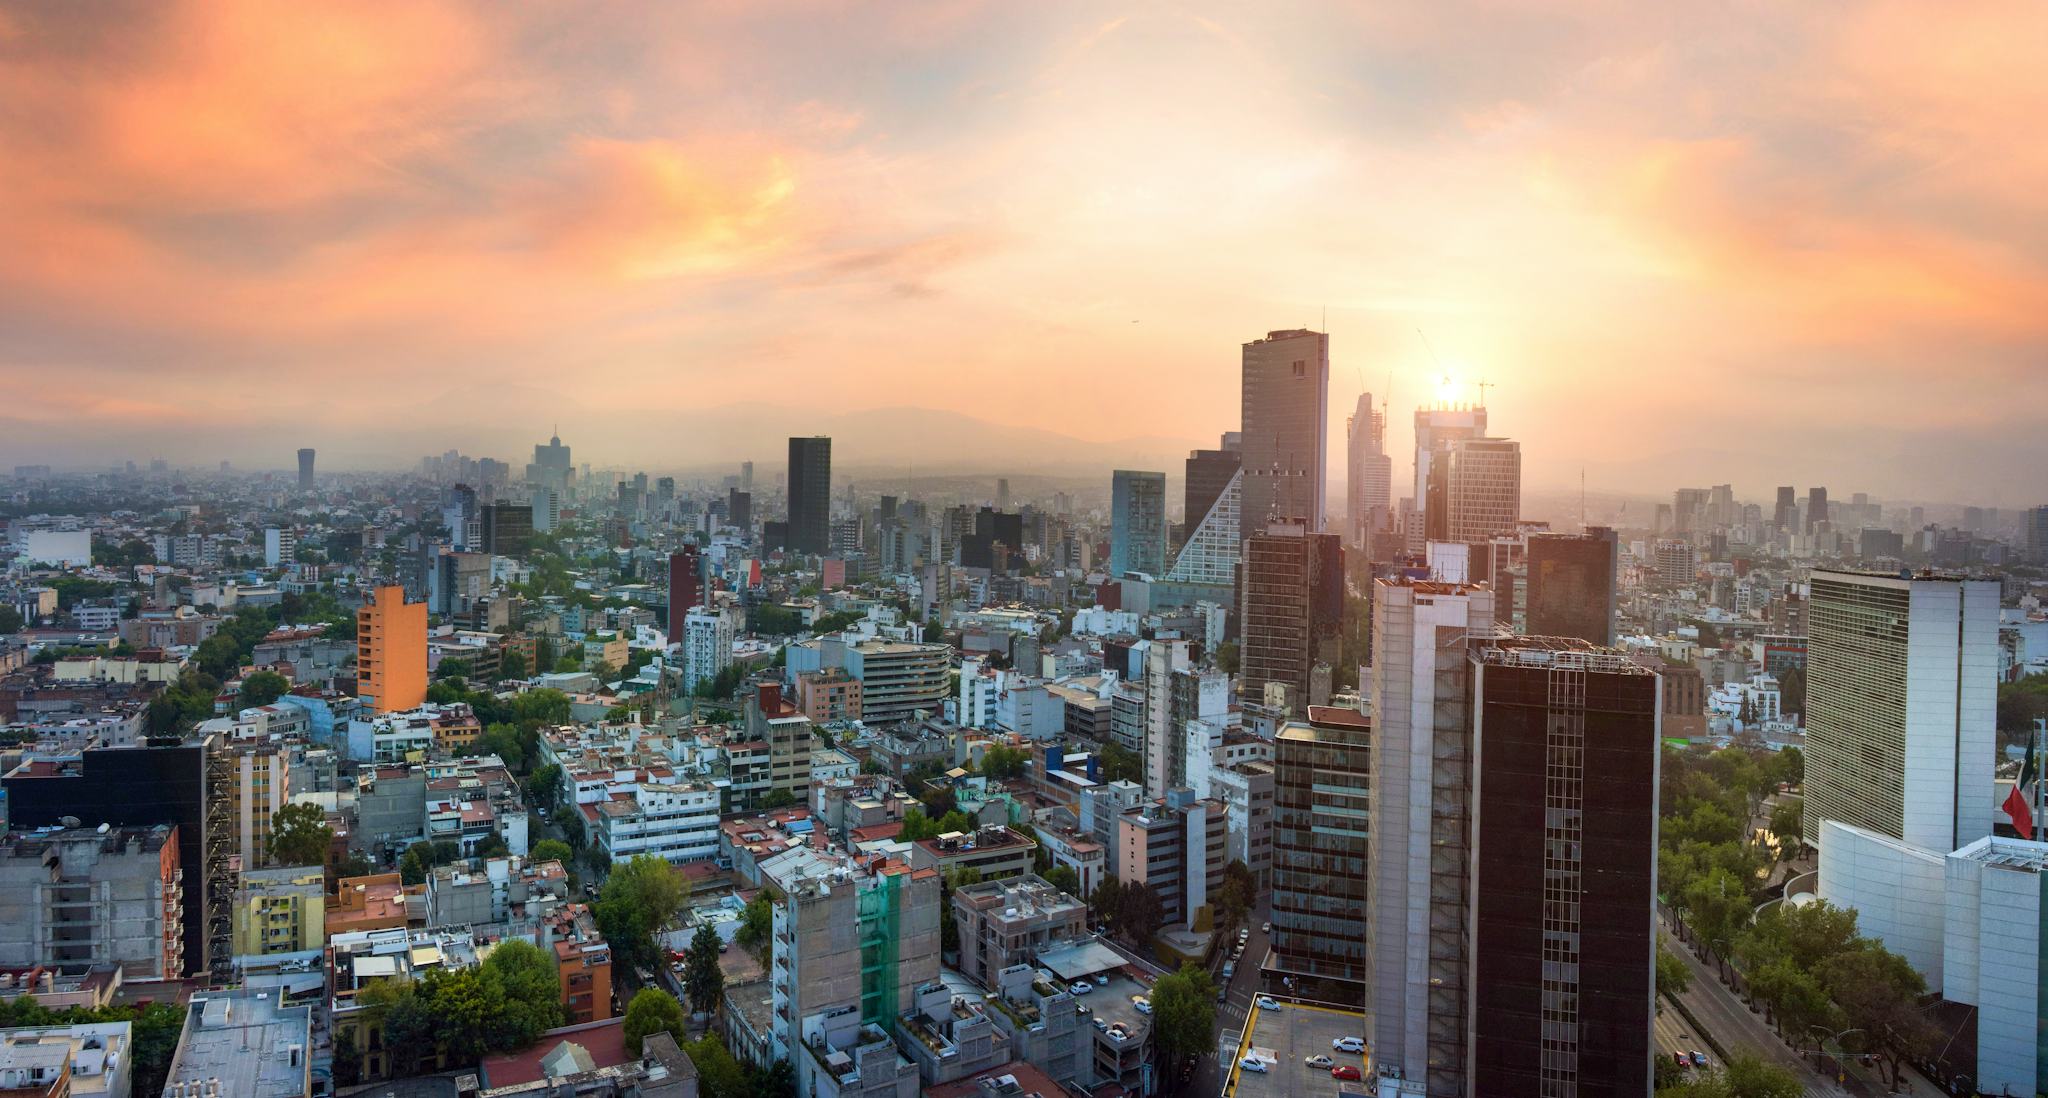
(1682, 243)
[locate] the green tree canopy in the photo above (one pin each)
(299, 835)
(263, 687)
(1183, 1017)
(702, 977)
(652, 1011)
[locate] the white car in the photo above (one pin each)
(1320, 1061)
(1267, 1002)
(1081, 987)
(1253, 1063)
(1265, 928)
(1348, 1044)
(1144, 1005)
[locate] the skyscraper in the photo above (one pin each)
(1286, 413)
(810, 494)
(1474, 490)
(1433, 428)
(1419, 847)
(306, 469)
(1291, 605)
(391, 652)
(1369, 474)
(1816, 508)
(685, 587)
(507, 528)
(1208, 473)
(2037, 534)
(1901, 706)
(1571, 585)
(1787, 513)
(1321, 811)
(1137, 522)
(1563, 870)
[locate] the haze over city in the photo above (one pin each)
(1790, 244)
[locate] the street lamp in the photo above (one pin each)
(1841, 1072)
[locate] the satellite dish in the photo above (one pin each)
(69, 821)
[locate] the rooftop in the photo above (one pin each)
(253, 1046)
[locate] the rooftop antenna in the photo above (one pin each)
(1483, 386)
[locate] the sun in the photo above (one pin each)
(1447, 389)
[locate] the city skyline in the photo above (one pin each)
(1581, 211)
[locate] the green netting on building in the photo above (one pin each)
(879, 910)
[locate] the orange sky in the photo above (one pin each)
(1759, 243)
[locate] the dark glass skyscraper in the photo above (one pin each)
(1322, 777)
(1571, 585)
(810, 494)
(1564, 869)
(306, 468)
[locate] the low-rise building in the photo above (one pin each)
(77, 897)
(357, 959)
(86, 1060)
(243, 1043)
(584, 962)
(280, 911)
(1007, 922)
(994, 851)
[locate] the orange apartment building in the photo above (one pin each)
(585, 962)
(391, 652)
(375, 902)
(828, 695)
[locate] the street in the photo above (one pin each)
(1721, 1012)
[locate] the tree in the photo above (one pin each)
(757, 923)
(10, 620)
(1227, 657)
(493, 845)
(918, 827)
(1140, 914)
(1807, 935)
(570, 822)
(531, 991)
(1107, 901)
(639, 898)
(1004, 762)
(512, 664)
(1787, 817)
(1879, 993)
(1120, 764)
(1672, 975)
(423, 856)
(652, 1011)
(778, 798)
(552, 850)
(1065, 879)
(503, 740)
(264, 687)
(299, 835)
(1743, 1076)
(702, 977)
(1183, 1018)
(544, 783)
(718, 1074)
(1796, 999)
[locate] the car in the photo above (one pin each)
(1082, 1009)
(1253, 1063)
(1320, 1061)
(1346, 1071)
(1267, 1002)
(1144, 1005)
(1699, 1059)
(1348, 1044)
(1229, 969)
(1679, 1059)
(1081, 987)
(1265, 928)
(1222, 994)
(1102, 980)
(1244, 933)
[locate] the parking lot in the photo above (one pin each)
(1290, 1035)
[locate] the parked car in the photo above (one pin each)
(1679, 1059)
(1320, 1061)
(1348, 1044)
(1346, 1071)
(1143, 1004)
(1699, 1059)
(1267, 1002)
(1253, 1063)
(1265, 928)
(1081, 987)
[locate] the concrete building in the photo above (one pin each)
(85, 1060)
(583, 960)
(1174, 846)
(1322, 823)
(1993, 957)
(828, 695)
(262, 787)
(1563, 885)
(280, 545)
(1007, 922)
(1285, 420)
(245, 1041)
(1901, 706)
(899, 679)
(993, 850)
(280, 911)
(810, 495)
(791, 738)
(1248, 792)
(707, 645)
(1137, 522)
(1369, 474)
(1474, 492)
(306, 469)
(78, 897)
(1291, 608)
(391, 652)
(1435, 427)
(1418, 852)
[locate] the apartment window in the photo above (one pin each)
(1300, 367)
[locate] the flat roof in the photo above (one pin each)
(245, 1040)
(1084, 958)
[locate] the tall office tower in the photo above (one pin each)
(547, 510)
(1175, 693)
(685, 587)
(1286, 416)
(306, 469)
(1787, 513)
(1002, 493)
(746, 476)
(1678, 562)
(1475, 490)
(391, 652)
(1689, 510)
(1137, 522)
(1571, 585)
(810, 494)
(1208, 473)
(1291, 606)
(1901, 707)
(1417, 949)
(507, 528)
(1369, 474)
(1435, 427)
(1563, 870)
(2037, 534)
(551, 467)
(739, 510)
(1322, 775)
(1207, 560)
(1816, 508)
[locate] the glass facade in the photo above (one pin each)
(1321, 832)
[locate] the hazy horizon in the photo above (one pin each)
(1685, 246)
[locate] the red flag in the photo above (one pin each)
(2016, 804)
